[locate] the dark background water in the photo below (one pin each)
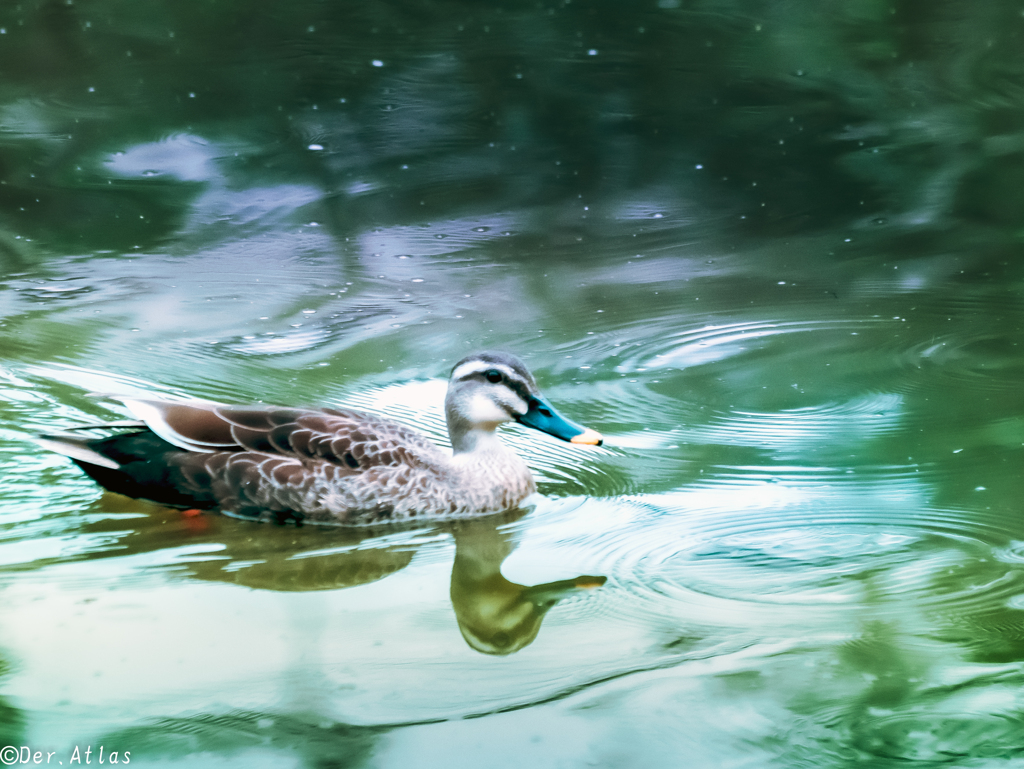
(771, 250)
(794, 116)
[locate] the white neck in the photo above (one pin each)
(477, 440)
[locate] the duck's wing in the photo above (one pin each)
(346, 438)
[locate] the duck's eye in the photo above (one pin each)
(493, 376)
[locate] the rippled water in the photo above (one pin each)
(797, 315)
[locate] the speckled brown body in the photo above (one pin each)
(335, 466)
(426, 482)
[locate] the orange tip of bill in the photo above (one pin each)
(588, 437)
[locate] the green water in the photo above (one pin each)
(771, 251)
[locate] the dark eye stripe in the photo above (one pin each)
(511, 380)
(520, 389)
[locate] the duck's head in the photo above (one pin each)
(489, 388)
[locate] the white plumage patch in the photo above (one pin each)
(479, 367)
(483, 410)
(72, 447)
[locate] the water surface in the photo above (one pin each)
(772, 254)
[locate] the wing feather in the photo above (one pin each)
(351, 440)
(191, 426)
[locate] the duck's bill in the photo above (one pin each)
(542, 416)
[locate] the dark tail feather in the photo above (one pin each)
(113, 480)
(133, 464)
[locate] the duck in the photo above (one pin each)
(326, 465)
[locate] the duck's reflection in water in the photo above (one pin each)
(494, 615)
